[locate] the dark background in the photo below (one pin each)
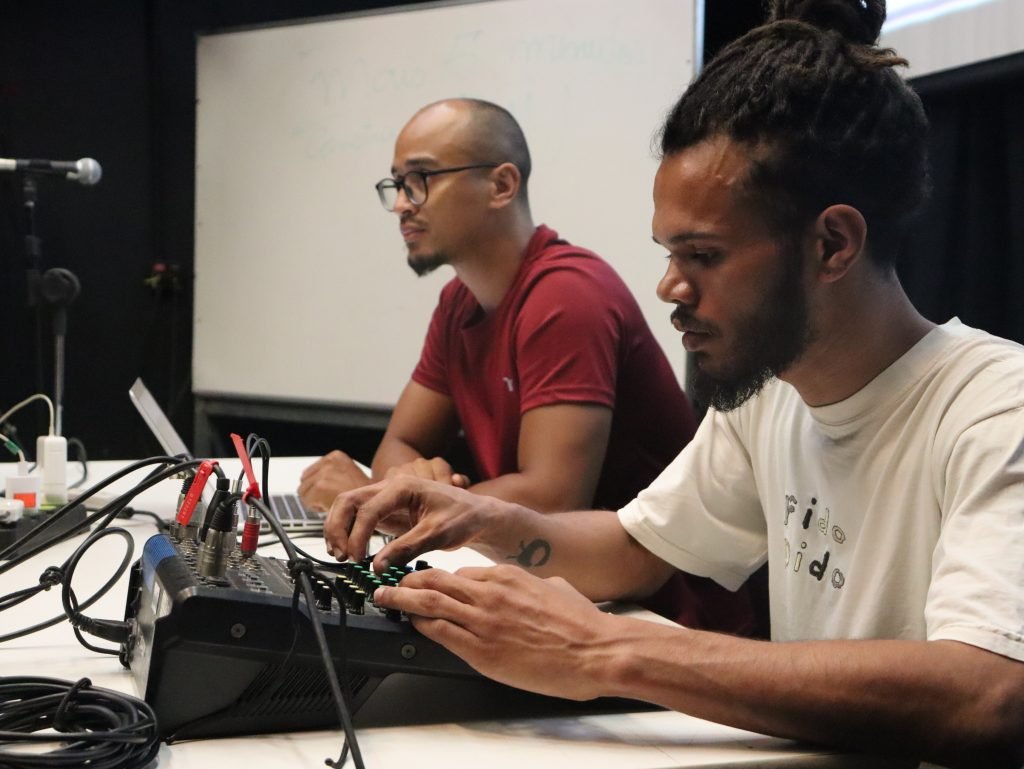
(115, 80)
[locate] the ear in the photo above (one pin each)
(840, 240)
(505, 181)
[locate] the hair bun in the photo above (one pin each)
(859, 21)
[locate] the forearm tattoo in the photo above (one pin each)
(532, 554)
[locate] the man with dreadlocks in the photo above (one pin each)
(873, 458)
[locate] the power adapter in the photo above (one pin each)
(52, 458)
(21, 485)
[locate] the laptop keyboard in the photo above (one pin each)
(292, 515)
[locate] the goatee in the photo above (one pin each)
(426, 264)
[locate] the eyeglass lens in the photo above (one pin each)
(414, 183)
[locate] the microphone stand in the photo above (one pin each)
(57, 287)
(33, 258)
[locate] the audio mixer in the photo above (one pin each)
(227, 655)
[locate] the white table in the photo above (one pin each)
(427, 723)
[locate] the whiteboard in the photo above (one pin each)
(940, 35)
(302, 291)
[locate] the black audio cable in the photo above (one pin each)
(88, 726)
(62, 575)
(128, 513)
(255, 444)
(83, 458)
(170, 466)
(300, 569)
(108, 512)
(112, 630)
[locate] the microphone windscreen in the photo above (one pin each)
(88, 172)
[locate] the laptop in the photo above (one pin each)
(289, 510)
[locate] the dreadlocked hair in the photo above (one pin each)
(823, 113)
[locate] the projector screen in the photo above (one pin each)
(302, 292)
(941, 35)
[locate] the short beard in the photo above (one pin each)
(426, 264)
(726, 395)
(771, 339)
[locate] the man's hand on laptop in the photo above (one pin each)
(436, 469)
(328, 477)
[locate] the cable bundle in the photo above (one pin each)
(94, 727)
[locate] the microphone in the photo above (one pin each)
(85, 171)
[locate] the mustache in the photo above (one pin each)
(682, 320)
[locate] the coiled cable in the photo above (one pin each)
(87, 725)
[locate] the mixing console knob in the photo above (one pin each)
(323, 596)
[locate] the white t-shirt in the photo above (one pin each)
(896, 513)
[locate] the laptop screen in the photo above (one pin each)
(157, 420)
(290, 511)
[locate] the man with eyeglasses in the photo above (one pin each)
(537, 351)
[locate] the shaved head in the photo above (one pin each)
(489, 134)
(475, 157)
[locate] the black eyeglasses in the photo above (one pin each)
(414, 184)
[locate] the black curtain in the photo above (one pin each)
(965, 256)
(114, 80)
(74, 82)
